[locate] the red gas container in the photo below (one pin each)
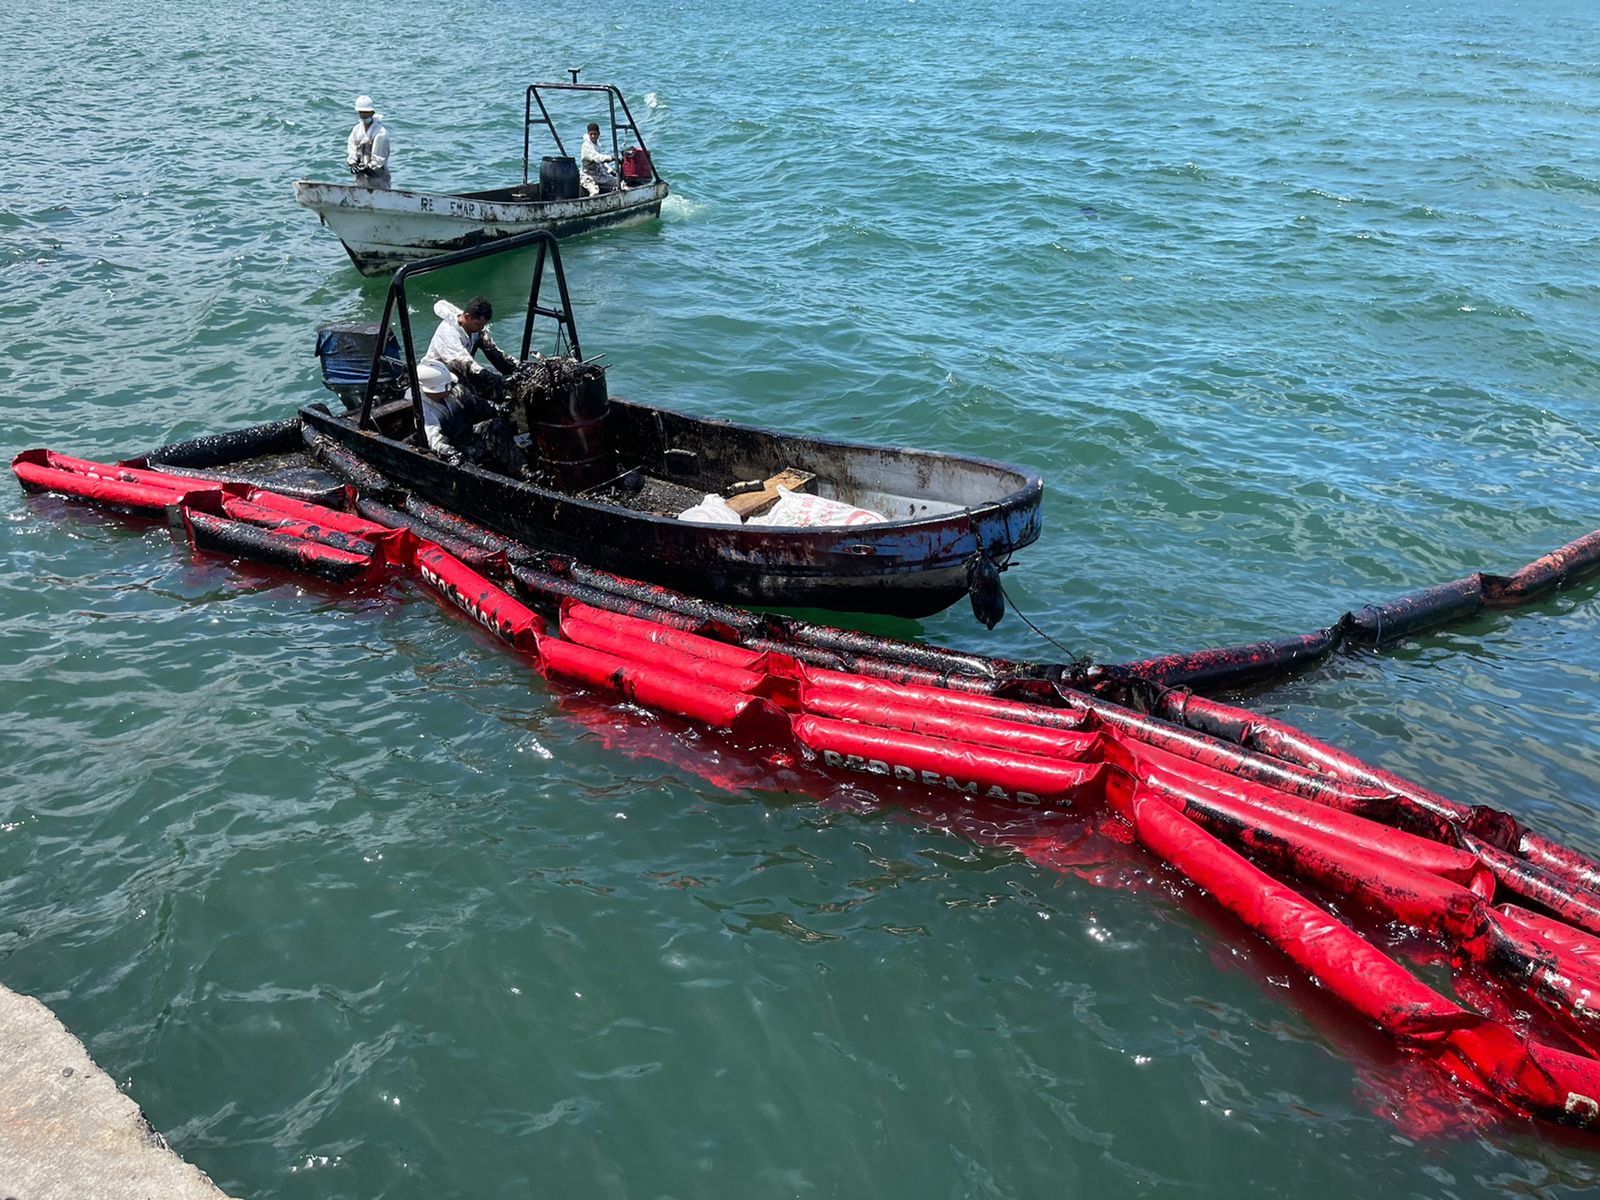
(636, 166)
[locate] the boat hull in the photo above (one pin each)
(909, 568)
(382, 229)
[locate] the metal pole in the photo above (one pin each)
(377, 357)
(527, 123)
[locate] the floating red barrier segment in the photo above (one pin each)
(1566, 866)
(658, 656)
(140, 497)
(751, 627)
(1559, 936)
(662, 635)
(1330, 952)
(1231, 759)
(222, 535)
(1565, 986)
(480, 599)
(1525, 1076)
(751, 719)
(1576, 906)
(65, 464)
(317, 514)
(122, 487)
(278, 522)
(1273, 739)
(945, 700)
(952, 726)
(1251, 810)
(955, 766)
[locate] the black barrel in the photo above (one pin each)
(558, 178)
(571, 433)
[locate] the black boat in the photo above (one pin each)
(610, 477)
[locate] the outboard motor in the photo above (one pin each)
(345, 349)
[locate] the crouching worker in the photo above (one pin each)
(462, 334)
(461, 426)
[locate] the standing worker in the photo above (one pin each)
(367, 151)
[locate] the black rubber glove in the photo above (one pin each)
(489, 384)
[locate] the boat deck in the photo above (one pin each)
(638, 492)
(292, 472)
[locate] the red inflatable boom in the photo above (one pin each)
(1272, 824)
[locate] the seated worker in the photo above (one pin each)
(461, 334)
(595, 174)
(462, 427)
(367, 149)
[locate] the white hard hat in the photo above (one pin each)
(433, 377)
(365, 104)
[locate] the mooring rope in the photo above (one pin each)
(1076, 662)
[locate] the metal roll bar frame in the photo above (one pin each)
(614, 97)
(395, 306)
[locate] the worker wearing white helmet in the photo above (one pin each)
(461, 426)
(445, 416)
(367, 151)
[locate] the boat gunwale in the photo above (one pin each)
(647, 190)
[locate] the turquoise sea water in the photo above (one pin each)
(1293, 306)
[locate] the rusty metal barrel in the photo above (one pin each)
(570, 432)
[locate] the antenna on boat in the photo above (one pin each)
(573, 71)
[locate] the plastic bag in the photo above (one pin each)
(714, 510)
(799, 509)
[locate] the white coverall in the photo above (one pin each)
(594, 172)
(448, 409)
(455, 347)
(369, 147)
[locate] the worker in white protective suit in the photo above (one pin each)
(462, 333)
(594, 166)
(462, 427)
(367, 151)
(444, 410)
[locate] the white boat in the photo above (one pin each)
(384, 228)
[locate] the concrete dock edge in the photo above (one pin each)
(66, 1131)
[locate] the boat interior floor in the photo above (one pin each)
(522, 193)
(641, 488)
(639, 492)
